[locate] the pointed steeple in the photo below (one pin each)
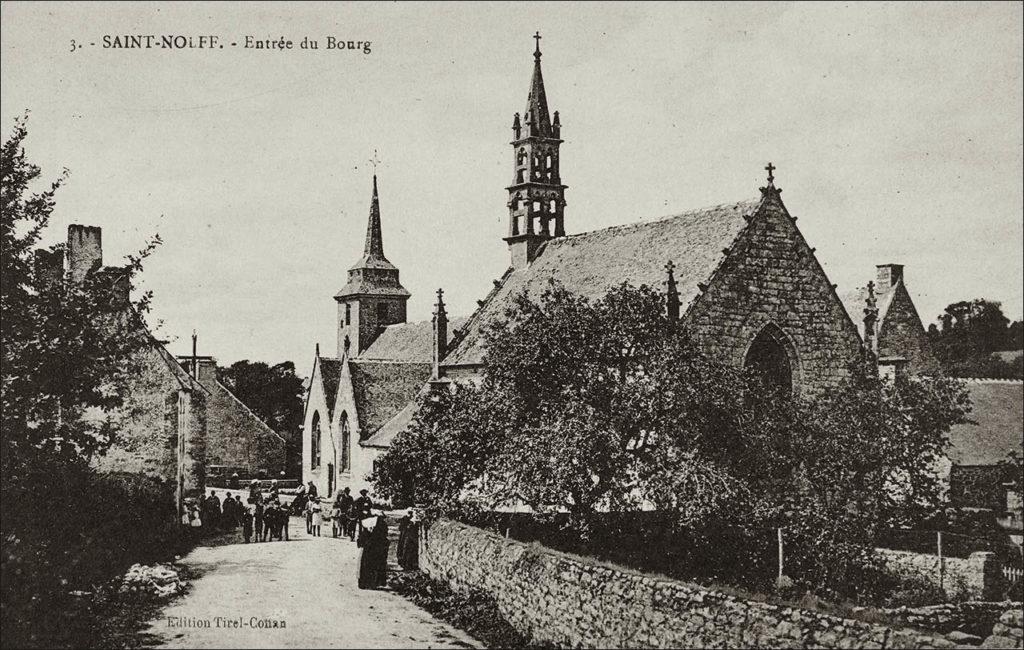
(538, 121)
(373, 297)
(374, 248)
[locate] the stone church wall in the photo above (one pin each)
(570, 602)
(771, 276)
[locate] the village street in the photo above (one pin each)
(309, 584)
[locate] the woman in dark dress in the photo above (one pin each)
(373, 556)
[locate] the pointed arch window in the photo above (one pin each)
(346, 444)
(314, 442)
(771, 358)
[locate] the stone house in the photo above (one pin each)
(237, 439)
(173, 422)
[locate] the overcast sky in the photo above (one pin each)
(896, 130)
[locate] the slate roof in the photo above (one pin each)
(387, 433)
(855, 300)
(330, 375)
(591, 263)
(384, 388)
(408, 341)
(996, 426)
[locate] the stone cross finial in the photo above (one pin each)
(771, 168)
(536, 51)
(375, 161)
(672, 295)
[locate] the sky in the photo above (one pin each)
(896, 131)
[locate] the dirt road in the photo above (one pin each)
(297, 594)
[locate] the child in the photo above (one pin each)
(317, 512)
(336, 520)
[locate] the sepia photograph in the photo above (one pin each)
(512, 325)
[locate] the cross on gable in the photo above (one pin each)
(670, 267)
(771, 168)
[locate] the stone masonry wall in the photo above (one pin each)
(771, 276)
(237, 437)
(1009, 631)
(901, 334)
(569, 602)
(978, 577)
(145, 428)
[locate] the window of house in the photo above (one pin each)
(314, 442)
(346, 442)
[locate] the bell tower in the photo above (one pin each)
(373, 297)
(536, 198)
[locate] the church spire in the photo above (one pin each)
(538, 121)
(374, 248)
(373, 297)
(536, 200)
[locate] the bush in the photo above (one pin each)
(66, 529)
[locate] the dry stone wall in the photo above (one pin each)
(569, 602)
(979, 577)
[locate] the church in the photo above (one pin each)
(739, 276)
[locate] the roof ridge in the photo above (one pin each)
(388, 361)
(991, 380)
(646, 222)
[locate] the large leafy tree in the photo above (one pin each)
(274, 394)
(67, 347)
(969, 332)
(586, 406)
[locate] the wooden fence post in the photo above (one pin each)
(942, 563)
(780, 553)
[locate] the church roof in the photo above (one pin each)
(384, 388)
(997, 422)
(591, 263)
(408, 341)
(330, 375)
(387, 433)
(855, 300)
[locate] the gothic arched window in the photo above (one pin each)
(769, 358)
(348, 314)
(314, 442)
(346, 443)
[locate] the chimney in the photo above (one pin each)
(440, 322)
(888, 276)
(85, 250)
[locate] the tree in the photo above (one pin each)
(274, 394)
(590, 406)
(970, 332)
(67, 347)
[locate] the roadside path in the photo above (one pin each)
(309, 584)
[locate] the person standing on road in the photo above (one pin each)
(345, 519)
(316, 517)
(373, 556)
(247, 518)
(258, 519)
(363, 507)
(212, 511)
